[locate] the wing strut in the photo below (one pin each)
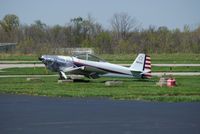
(62, 75)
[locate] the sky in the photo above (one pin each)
(170, 13)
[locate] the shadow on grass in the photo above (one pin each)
(81, 80)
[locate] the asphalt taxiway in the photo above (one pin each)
(20, 114)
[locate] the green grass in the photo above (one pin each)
(176, 69)
(176, 58)
(155, 58)
(43, 71)
(188, 89)
(26, 71)
(121, 58)
(21, 62)
(18, 57)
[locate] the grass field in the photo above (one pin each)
(176, 69)
(155, 58)
(18, 57)
(43, 71)
(188, 89)
(26, 71)
(121, 58)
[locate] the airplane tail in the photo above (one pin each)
(141, 67)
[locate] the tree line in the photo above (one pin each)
(124, 36)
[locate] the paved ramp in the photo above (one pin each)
(44, 115)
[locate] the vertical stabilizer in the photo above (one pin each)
(138, 64)
(141, 66)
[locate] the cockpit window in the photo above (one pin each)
(93, 58)
(81, 56)
(89, 57)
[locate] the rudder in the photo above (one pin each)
(141, 66)
(147, 67)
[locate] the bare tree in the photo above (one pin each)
(122, 24)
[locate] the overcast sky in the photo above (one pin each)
(170, 13)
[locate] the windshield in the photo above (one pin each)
(89, 57)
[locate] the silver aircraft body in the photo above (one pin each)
(93, 67)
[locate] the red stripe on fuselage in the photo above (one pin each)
(147, 68)
(147, 63)
(147, 75)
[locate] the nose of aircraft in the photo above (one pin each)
(40, 58)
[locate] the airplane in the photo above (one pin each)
(94, 67)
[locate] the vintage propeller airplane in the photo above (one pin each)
(93, 67)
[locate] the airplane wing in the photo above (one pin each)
(71, 69)
(87, 71)
(94, 69)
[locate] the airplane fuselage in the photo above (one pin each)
(93, 67)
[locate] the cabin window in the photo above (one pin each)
(89, 57)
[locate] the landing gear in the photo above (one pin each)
(63, 76)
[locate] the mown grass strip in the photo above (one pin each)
(175, 58)
(43, 71)
(26, 71)
(188, 89)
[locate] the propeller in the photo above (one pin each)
(40, 58)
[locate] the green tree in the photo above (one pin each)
(103, 43)
(10, 22)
